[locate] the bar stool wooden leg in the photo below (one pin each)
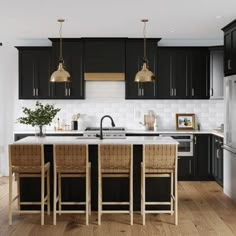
(10, 199)
(55, 198)
(99, 197)
(59, 193)
(42, 198)
(87, 195)
(89, 188)
(144, 198)
(18, 190)
(131, 198)
(171, 193)
(141, 189)
(48, 191)
(176, 200)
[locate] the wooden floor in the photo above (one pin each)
(203, 210)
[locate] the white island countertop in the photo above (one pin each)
(81, 140)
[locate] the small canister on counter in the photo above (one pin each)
(74, 125)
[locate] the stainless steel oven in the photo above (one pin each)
(185, 147)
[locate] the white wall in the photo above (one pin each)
(101, 98)
(8, 94)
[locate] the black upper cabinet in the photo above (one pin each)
(230, 48)
(34, 72)
(134, 62)
(171, 73)
(73, 61)
(199, 82)
(202, 153)
(182, 73)
(104, 55)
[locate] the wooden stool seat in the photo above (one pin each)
(71, 161)
(159, 160)
(115, 160)
(28, 161)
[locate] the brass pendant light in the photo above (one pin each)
(60, 75)
(144, 75)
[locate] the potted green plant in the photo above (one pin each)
(39, 117)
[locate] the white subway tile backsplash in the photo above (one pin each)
(107, 98)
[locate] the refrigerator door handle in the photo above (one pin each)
(227, 148)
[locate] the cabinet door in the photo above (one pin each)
(199, 73)
(202, 147)
(180, 74)
(233, 63)
(227, 54)
(34, 72)
(164, 73)
(104, 55)
(73, 61)
(185, 168)
(134, 62)
(217, 73)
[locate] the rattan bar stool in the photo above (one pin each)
(160, 160)
(115, 160)
(71, 161)
(27, 161)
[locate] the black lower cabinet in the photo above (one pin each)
(114, 189)
(217, 159)
(185, 168)
(202, 153)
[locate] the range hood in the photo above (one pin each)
(104, 76)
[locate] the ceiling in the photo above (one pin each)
(170, 19)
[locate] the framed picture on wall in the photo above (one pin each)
(185, 121)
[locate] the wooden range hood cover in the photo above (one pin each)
(102, 76)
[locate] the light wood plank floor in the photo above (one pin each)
(203, 210)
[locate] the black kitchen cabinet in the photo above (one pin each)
(104, 55)
(134, 62)
(186, 168)
(183, 73)
(34, 72)
(199, 80)
(230, 48)
(73, 61)
(171, 73)
(202, 153)
(217, 72)
(217, 159)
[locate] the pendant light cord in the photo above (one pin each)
(60, 33)
(144, 41)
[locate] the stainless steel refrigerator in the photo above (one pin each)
(230, 137)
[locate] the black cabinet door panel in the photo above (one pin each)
(134, 62)
(34, 72)
(73, 61)
(104, 55)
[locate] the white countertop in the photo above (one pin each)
(136, 131)
(80, 140)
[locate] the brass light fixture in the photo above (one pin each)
(144, 75)
(60, 75)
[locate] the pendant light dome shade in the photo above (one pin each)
(60, 75)
(144, 75)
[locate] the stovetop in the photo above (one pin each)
(108, 132)
(105, 129)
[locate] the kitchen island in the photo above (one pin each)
(157, 189)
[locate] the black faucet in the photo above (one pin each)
(112, 123)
